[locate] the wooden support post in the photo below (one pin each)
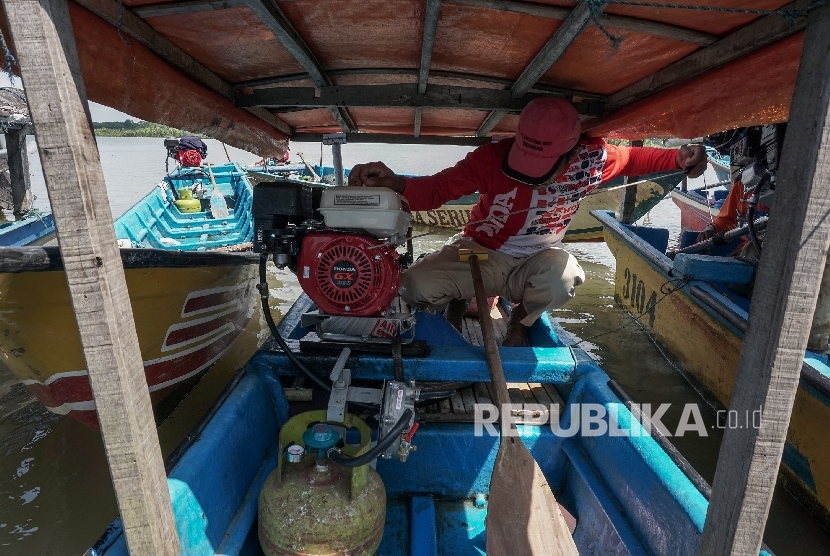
(48, 59)
(18, 169)
(785, 295)
(820, 328)
(629, 198)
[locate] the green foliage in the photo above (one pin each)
(129, 128)
(656, 143)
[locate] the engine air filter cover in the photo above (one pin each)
(348, 274)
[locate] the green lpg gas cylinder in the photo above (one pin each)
(312, 506)
(186, 202)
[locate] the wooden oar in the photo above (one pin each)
(523, 517)
(310, 169)
(218, 206)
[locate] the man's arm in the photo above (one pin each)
(640, 161)
(427, 192)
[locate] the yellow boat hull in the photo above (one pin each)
(709, 350)
(187, 316)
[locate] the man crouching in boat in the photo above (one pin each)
(530, 187)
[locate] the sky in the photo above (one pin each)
(99, 112)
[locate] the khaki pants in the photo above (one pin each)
(543, 281)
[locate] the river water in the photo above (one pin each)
(55, 491)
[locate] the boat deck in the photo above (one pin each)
(460, 409)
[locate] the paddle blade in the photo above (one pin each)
(523, 517)
(218, 206)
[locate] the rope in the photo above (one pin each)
(679, 285)
(121, 22)
(9, 58)
(596, 191)
(597, 6)
(789, 14)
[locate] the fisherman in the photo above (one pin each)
(733, 213)
(530, 188)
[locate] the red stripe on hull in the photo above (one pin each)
(182, 335)
(210, 301)
(73, 389)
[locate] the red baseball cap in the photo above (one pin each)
(548, 128)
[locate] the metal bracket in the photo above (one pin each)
(334, 138)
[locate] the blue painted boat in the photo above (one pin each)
(628, 494)
(158, 222)
(36, 225)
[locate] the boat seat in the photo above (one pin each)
(656, 237)
(714, 269)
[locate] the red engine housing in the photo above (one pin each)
(344, 277)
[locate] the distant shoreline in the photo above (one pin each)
(129, 128)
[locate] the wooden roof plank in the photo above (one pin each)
(433, 7)
(491, 121)
(755, 36)
(574, 24)
(612, 21)
(395, 139)
(392, 96)
(137, 29)
(540, 87)
(419, 114)
(562, 39)
(186, 7)
(272, 17)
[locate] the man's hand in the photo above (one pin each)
(706, 233)
(692, 160)
(376, 174)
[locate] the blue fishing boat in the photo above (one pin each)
(262, 475)
(34, 226)
(178, 215)
(627, 494)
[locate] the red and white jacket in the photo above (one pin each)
(516, 219)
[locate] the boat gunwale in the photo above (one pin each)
(697, 291)
(17, 260)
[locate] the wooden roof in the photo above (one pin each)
(255, 72)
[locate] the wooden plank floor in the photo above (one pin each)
(460, 409)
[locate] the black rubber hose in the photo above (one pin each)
(347, 461)
(263, 291)
(750, 213)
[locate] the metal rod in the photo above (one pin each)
(337, 162)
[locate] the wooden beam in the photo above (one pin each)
(611, 21)
(431, 12)
(395, 96)
(48, 59)
(172, 54)
(492, 119)
(18, 160)
(270, 14)
(786, 289)
(419, 114)
(186, 7)
(576, 22)
(538, 87)
(393, 139)
(755, 36)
